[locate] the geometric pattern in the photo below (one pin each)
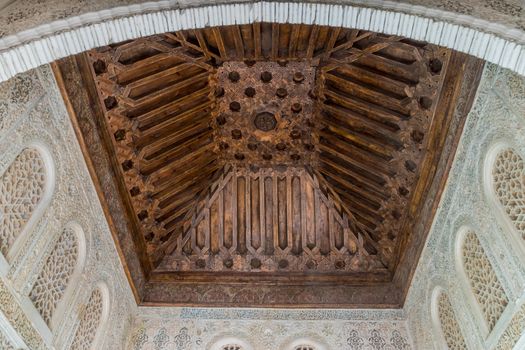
(271, 333)
(509, 185)
(53, 280)
(483, 280)
(325, 243)
(449, 324)
(5, 344)
(87, 329)
(21, 189)
(514, 331)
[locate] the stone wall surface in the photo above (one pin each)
(497, 117)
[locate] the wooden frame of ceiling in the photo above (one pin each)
(278, 289)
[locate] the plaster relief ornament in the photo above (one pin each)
(55, 275)
(509, 185)
(21, 190)
(483, 280)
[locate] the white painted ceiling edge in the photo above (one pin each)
(46, 43)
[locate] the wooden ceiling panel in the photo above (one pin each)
(156, 96)
(273, 153)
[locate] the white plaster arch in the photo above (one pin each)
(98, 340)
(466, 288)
(45, 201)
(106, 301)
(75, 306)
(490, 337)
(220, 342)
(304, 341)
(43, 44)
(61, 309)
(48, 332)
(518, 308)
(488, 186)
(436, 288)
(439, 336)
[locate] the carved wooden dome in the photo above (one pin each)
(267, 164)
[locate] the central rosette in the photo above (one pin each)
(265, 113)
(265, 121)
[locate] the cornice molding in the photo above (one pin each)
(491, 41)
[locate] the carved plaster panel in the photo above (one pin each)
(496, 117)
(35, 113)
(195, 329)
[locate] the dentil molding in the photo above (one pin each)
(31, 48)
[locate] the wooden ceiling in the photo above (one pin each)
(268, 157)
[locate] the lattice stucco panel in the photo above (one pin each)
(483, 280)
(53, 280)
(509, 185)
(21, 190)
(5, 344)
(514, 331)
(89, 322)
(449, 324)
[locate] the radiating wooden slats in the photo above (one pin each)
(144, 68)
(390, 86)
(166, 95)
(349, 87)
(371, 110)
(174, 122)
(357, 122)
(158, 148)
(362, 141)
(176, 106)
(354, 155)
(163, 180)
(372, 94)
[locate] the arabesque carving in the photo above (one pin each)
(21, 190)
(53, 280)
(483, 280)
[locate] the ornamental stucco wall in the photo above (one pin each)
(33, 112)
(498, 116)
(265, 329)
